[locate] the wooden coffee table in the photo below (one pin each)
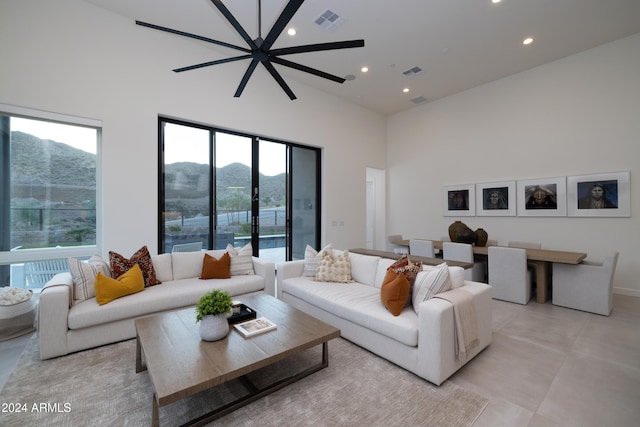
(180, 364)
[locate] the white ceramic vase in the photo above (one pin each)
(214, 328)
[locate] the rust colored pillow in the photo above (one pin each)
(142, 257)
(213, 268)
(394, 292)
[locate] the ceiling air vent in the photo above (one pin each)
(418, 99)
(329, 21)
(412, 72)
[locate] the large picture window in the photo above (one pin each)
(47, 193)
(219, 187)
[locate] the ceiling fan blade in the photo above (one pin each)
(318, 47)
(306, 69)
(274, 73)
(234, 22)
(207, 64)
(193, 36)
(245, 78)
(290, 9)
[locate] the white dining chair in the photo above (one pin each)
(464, 252)
(587, 286)
(508, 275)
(531, 265)
(392, 247)
(419, 247)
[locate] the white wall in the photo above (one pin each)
(578, 115)
(73, 58)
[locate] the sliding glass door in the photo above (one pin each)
(218, 188)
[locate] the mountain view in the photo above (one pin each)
(53, 189)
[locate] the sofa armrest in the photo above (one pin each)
(53, 313)
(437, 359)
(287, 270)
(267, 270)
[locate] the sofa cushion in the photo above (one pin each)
(241, 259)
(363, 268)
(213, 268)
(311, 260)
(430, 283)
(168, 296)
(187, 265)
(394, 292)
(334, 268)
(142, 257)
(357, 303)
(381, 271)
(84, 275)
(108, 289)
(162, 266)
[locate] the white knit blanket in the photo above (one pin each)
(465, 321)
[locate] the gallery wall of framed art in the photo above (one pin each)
(594, 195)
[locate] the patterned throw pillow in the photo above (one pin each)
(142, 257)
(334, 269)
(84, 276)
(241, 259)
(312, 258)
(410, 271)
(430, 283)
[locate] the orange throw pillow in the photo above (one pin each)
(216, 268)
(394, 292)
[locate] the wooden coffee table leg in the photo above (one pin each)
(139, 366)
(155, 412)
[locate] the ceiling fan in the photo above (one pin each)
(260, 50)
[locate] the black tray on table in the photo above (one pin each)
(246, 313)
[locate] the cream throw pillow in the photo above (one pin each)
(430, 283)
(334, 269)
(84, 276)
(311, 260)
(241, 259)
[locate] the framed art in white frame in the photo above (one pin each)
(542, 197)
(599, 195)
(496, 199)
(459, 200)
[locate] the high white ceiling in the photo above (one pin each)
(459, 44)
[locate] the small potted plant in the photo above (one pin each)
(212, 310)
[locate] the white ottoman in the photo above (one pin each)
(17, 312)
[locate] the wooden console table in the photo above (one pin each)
(422, 259)
(542, 257)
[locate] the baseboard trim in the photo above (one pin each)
(627, 291)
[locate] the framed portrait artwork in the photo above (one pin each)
(459, 200)
(605, 195)
(496, 199)
(542, 197)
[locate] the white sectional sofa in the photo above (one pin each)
(421, 343)
(65, 327)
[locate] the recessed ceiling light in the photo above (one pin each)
(405, 90)
(495, 1)
(364, 69)
(527, 41)
(291, 31)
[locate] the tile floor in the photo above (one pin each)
(547, 366)
(552, 366)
